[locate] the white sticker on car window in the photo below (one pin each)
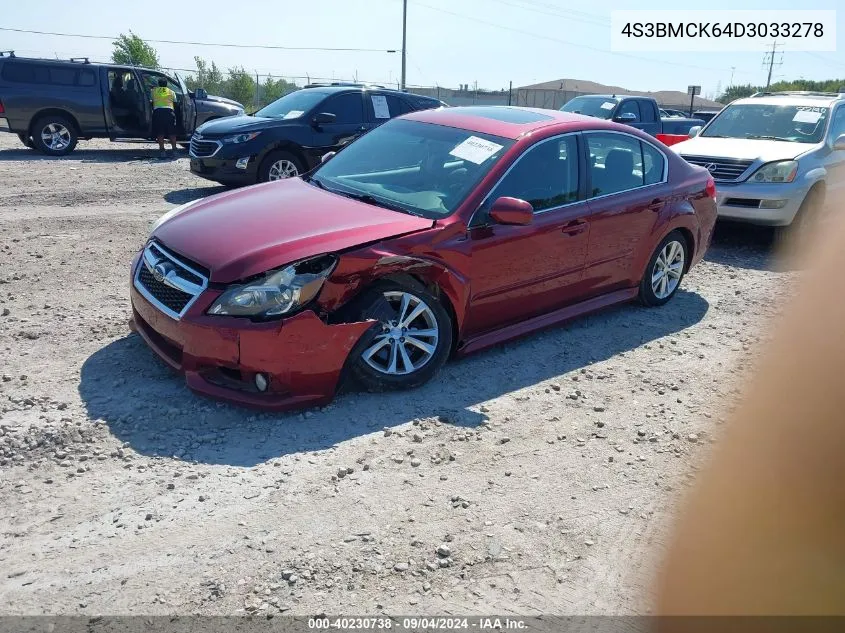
(380, 107)
(608, 105)
(475, 150)
(807, 116)
(294, 114)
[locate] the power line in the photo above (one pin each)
(218, 44)
(560, 41)
(567, 14)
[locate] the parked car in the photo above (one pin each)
(705, 115)
(289, 136)
(775, 156)
(443, 231)
(51, 104)
(639, 112)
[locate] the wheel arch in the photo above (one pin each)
(285, 146)
(54, 112)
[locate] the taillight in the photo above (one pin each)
(2, 109)
(710, 187)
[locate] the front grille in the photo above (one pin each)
(169, 282)
(723, 169)
(172, 298)
(204, 149)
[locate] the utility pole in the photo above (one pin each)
(771, 57)
(733, 70)
(404, 38)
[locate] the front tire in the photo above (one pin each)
(409, 345)
(665, 270)
(54, 135)
(280, 165)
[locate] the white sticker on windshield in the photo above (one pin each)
(476, 150)
(807, 116)
(608, 105)
(380, 107)
(294, 114)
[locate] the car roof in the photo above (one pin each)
(792, 99)
(329, 89)
(510, 122)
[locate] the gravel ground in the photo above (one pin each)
(535, 478)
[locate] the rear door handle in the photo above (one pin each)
(575, 227)
(657, 204)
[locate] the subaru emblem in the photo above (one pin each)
(160, 272)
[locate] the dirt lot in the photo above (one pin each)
(534, 478)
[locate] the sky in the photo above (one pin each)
(449, 42)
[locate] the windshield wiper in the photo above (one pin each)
(770, 138)
(378, 202)
(715, 136)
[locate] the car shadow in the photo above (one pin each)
(747, 246)
(149, 407)
(148, 152)
(181, 196)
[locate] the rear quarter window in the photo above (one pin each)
(50, 74)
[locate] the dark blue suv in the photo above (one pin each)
(290, 136)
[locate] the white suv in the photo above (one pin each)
(774, 156)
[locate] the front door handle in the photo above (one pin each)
(575, 227)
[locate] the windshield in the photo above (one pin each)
(798, 124)
(599, 107)
(415, 167)
(293, 105)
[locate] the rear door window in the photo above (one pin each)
(616, 163)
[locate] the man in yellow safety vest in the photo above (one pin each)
(164, 115)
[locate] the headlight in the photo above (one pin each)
(171, 213)
(239, 138)
(782, 171)
(279, 292)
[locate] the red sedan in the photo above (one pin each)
(440, 232)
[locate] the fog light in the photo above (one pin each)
(261, 382)
(773, 204)
(242, 162)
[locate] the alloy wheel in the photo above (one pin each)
(282, 169)
(55, 136)
(668, 269)
(408, 339)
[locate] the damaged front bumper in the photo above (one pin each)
(302, 357)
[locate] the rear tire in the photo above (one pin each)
(54, 135)
(280, 165)
(665, 270)
(400, 352)
(26, 139)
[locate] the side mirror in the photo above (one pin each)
(327, 157)
(512, 211)
(625, 117)
(323, 118)
(200, 94)
(839, 142)
(694, 130)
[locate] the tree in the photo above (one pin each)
(132, 50)
(273, 89)
(240, 86)
(737, 92)
(206, 77)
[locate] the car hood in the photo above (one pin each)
(234, 125)
(230, 102)
(741, 148)
(238, 234)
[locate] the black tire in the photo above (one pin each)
(264, 172)
(26, 140)
(795, 234)
(373, 304)
(63, 126)
(648, 296)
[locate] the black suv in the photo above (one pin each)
(51, 104)
(290, 136)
